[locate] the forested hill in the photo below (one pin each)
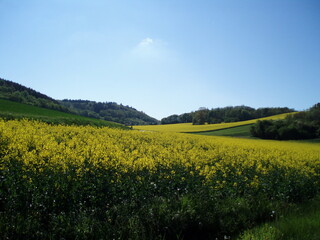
(226, 114)
(18, 93)
(109, 111)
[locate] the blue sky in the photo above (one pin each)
(165, 57)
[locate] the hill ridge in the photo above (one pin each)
(112, 111)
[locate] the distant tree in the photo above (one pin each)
(171, 119)
(226, 114)
(200, 117)
(185, 118)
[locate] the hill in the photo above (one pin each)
(18, 93)
(109, 111)
(14, 110)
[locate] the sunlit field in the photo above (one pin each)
(188, 127)
(87, 182)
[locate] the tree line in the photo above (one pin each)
(226, 114)
(301, 125)
(109, 111)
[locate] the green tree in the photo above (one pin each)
(201, 116)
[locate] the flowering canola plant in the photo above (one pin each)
(59, 147)
(75, 174)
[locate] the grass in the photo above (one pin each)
(241, 131)
(302, 223)
(14, 110)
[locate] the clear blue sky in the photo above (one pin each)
(165, 57)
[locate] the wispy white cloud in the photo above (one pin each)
(146, 42)
(151, 49)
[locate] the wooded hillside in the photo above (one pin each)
(18, 93)
(226, 114)
(109, 111)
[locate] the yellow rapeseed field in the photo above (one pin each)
(188, 127)
(57, 147)
(100, 183)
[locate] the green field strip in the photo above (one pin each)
(223, 130)
(14, 110)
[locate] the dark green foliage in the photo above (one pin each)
(183, 118)
(201, 116)
(172, 119)
(302, 125)
(301, 222)
(109, 111)
(90, 202)
(241, 113)
(226, 114)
